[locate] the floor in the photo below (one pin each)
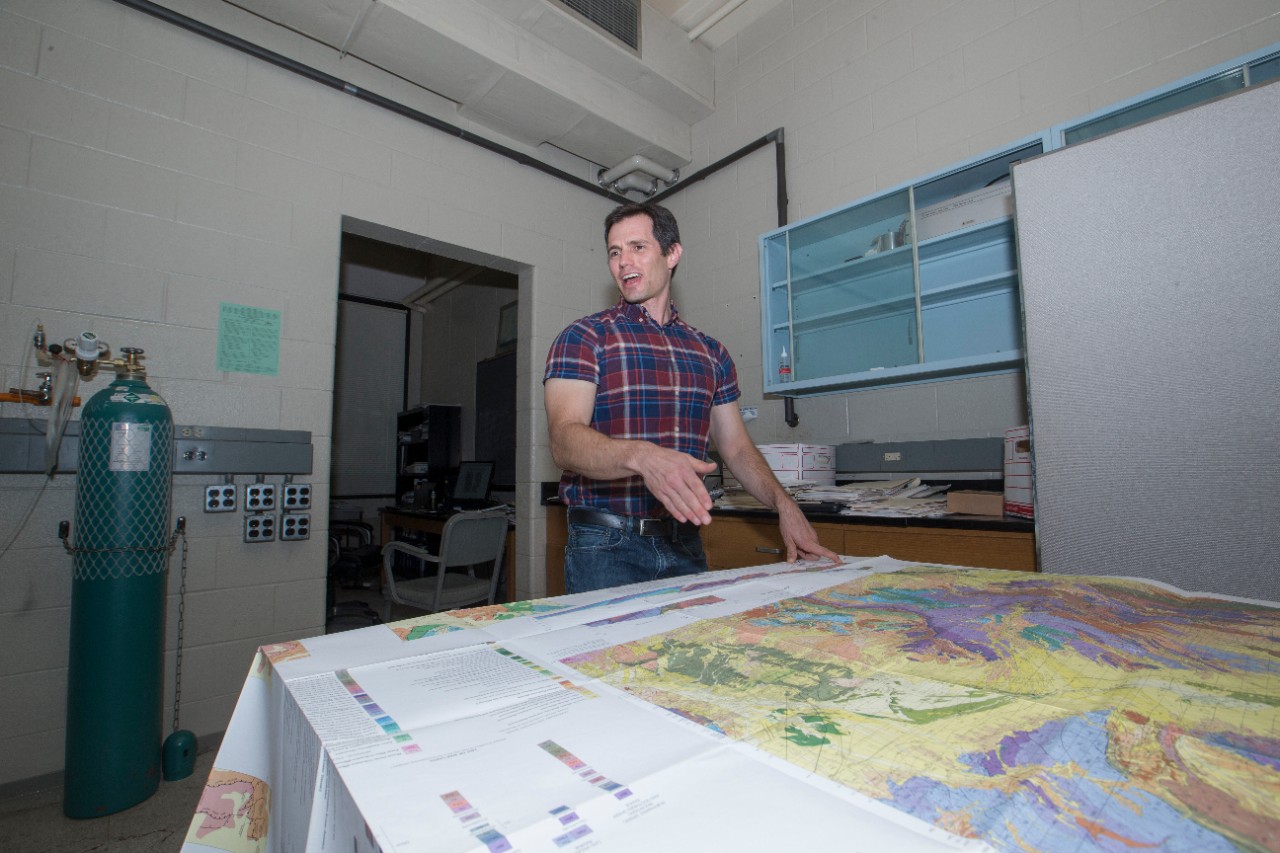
(33, 821)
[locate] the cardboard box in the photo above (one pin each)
(976, 503)
(984, 205)
(1017, 472)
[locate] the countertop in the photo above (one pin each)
(957, 521)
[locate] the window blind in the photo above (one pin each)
(368, 392)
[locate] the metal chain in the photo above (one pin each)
(182, 606)
(64, 531)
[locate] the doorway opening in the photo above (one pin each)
(420, 323)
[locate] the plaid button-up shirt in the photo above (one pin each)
(653, 382)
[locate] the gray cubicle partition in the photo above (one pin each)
(1150, 263)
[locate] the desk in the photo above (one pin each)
(425, 521)
(738, 538)
(879, 704)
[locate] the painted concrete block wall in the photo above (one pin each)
(874, 93)
(146, 176)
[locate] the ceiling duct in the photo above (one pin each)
(618, 18)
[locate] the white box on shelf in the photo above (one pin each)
(797, 457)
(984, 205)
(822, 477)
(1017, 472)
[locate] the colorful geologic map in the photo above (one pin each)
(1037, 712)
(434, 624)
(232, 814)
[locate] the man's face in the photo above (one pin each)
(636, 261)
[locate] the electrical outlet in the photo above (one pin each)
(297, 496)
(259, 497)
(220, 498)
(260, 527)
(295, 525)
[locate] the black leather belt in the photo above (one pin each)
(664, 527)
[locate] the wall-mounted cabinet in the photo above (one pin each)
(921, 282)
(917, 283)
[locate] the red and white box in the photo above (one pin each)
(1017, 472)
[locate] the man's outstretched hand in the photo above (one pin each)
(675, 479)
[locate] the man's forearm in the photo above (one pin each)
(801, 541)
(673, 477)
(753, 472)
(590, 453)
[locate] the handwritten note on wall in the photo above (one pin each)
(248, 339)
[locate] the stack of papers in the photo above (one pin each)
(906, 498)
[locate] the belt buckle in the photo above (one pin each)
(653, 527)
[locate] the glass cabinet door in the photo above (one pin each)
(841, 293)
(968, 266)
(919, 283)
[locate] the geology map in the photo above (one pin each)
(1033, 712)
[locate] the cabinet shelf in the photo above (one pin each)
(966, 239)
(870, 310)
(927, 372)
(841, 272)
(972, 288)
(950, 293)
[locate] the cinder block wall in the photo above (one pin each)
(146, 176)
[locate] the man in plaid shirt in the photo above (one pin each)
(633, 395)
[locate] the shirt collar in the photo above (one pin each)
(639, 314)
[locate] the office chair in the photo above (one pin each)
(352, 555)
(468, 539)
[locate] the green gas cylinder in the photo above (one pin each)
(115, 673)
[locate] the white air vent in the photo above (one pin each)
(618, 18)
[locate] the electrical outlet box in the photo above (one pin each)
(296, 496)
(295, 526)
(220, 498)
(260, 497)
(260, 528)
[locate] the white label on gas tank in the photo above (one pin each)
(130, 447)
(125, 394)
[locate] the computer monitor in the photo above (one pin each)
(471, 489)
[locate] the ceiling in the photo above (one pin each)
(535, 72)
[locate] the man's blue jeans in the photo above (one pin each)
(598, 556)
